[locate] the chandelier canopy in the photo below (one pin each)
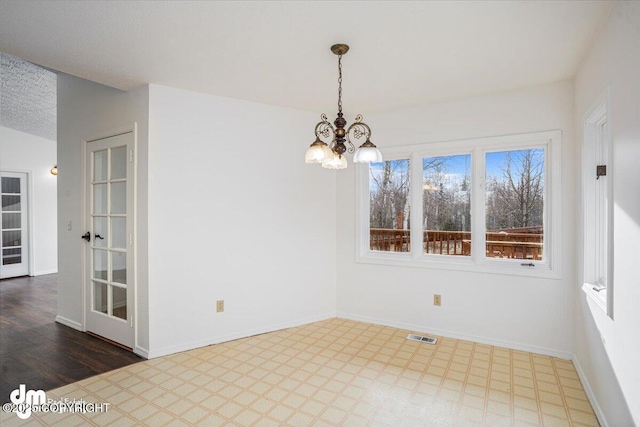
(331, 154)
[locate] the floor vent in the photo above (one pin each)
(428, 340)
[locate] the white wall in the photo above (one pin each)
(234, 214)
(608, 351)
(23, 152)
(87, 109)
(519, 312)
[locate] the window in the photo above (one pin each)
(478, 205)
(597, 207)
(390, 206)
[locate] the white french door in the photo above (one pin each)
(109, 260)
(15, 230)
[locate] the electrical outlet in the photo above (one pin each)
(437, 299)
(220, 306)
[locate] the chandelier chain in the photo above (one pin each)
(339, 83)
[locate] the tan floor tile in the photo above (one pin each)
(338, 372)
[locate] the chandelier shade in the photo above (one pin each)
(331, 154)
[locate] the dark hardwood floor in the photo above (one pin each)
(37, 351)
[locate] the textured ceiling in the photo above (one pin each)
(27, 97)
(402, 52)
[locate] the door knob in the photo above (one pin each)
(87, 236)
(99, 237)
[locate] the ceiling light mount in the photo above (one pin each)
(331, 154)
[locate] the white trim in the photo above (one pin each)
(590, 395)
(422, 330)
(550, 268)
(70, 323)
(142, 352)
(237, 335)
(598, 114)
(45, 272)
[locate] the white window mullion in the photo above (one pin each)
(478, 214)
(416, 206)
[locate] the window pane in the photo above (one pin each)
(11, 203)
(119, 296)
(99, 198)
(119, 163)
(100, 299)
(119, 198)
(446, 205)
(11, 220)
(389, 206)
(10, 185)
(515, 204)
(100, 229)
(119, 233)
(119, 266)
(11, 238)
(11, 256)
(100, 264)
(100, 165)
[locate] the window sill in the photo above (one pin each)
(468, 264)
(599, 298)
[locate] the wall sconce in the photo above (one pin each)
(54, 170)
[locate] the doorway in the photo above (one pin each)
(109, 255)
(15, 225)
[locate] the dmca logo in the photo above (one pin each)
(24, 402)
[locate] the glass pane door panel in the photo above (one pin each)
(100, 165)
(100, 264)
(11, 256)
(11, 203)
(100, 199)
(119, 163)
(100, 231)
(119, 302)
(119, 233)
(119, 198)
(11, 220)
(11, 238)
(119, 267)
(100, 297)
(10, 185)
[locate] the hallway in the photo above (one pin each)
(37, 351)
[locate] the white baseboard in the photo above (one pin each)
(142, 352)
(69, 323)
(451, 334)
(589, 391)
(45, 272)
(230, 337)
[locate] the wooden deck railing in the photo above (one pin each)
(522, 244)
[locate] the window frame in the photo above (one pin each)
(550, 267)
(594, 141)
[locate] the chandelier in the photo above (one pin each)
(331, 155)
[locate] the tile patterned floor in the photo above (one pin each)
(334, 373)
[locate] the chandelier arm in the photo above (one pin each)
(325, 131)
(359, 129)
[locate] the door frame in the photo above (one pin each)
(114, 131)
(30, 242)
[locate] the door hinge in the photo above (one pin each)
(131, 321)
(130, 155)
(130, 239)
(601, 170)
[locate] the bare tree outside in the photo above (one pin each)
(446, 204)
(515, 191)
(389, 194)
